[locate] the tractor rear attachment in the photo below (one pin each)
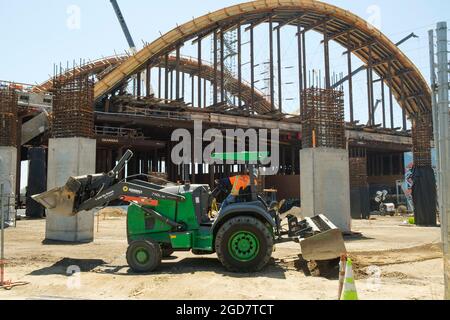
(319, 238)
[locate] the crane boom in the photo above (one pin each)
(124, 26)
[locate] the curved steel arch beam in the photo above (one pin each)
(93, 67)
(403, 69)
(188, 65)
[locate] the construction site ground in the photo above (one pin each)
(391, 261)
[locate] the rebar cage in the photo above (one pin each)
(73, 108)
(323, 122)
(422, 130)
(8, 117)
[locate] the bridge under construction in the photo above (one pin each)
(213, 69)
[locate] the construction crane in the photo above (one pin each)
(124, 26)
(130, 41)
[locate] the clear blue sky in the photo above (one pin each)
(35, 33)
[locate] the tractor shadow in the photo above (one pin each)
(68, 266)
(356, 236)
(324, 269)
(194, 265)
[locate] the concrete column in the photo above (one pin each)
(8, 161)
(325, 185)
(70, 157)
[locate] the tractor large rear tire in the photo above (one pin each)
(244, 244)
(144, 256)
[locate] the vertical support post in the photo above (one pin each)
(19, 161)
(215, 91)
(280, 81)
(222, 67)
(326, 49)
(403, 102)
(350, 78)
(199, 78)
(193, 89)
(183, 79)
(444, 145)
(166, 77)
(148, 80)
(138, 84)
(370, 89)
(305, 84)
(204, 93)
(252, 67)
(171, 84)
(300, 66)
(239, 63)
(391, 98)
(435, 115)
(193, 164)
(159, 82)
(271, 69)
(383, 103)
(177, 68)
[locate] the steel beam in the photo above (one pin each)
(444, 144)
(280, 81)
(350, 79)
(215, 82)
(199, 83)
(300, 67)
(326, 56)
(271, 68)
(177, 68)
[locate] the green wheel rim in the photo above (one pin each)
(243, 246)
(142, 256)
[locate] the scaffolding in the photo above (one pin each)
(73, 113)
(323, 122)
(8, 117)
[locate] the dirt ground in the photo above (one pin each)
(390, 262)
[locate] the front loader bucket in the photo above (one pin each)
(327, 242)
(59, 201)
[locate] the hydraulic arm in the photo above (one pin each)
(92, 191)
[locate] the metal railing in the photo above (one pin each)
(118, 132)
(142, 112)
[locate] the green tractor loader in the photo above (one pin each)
(165, 219)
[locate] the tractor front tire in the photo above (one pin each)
(244, 244)
(144, 256)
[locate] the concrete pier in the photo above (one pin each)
(325, 185)
(70, 157)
